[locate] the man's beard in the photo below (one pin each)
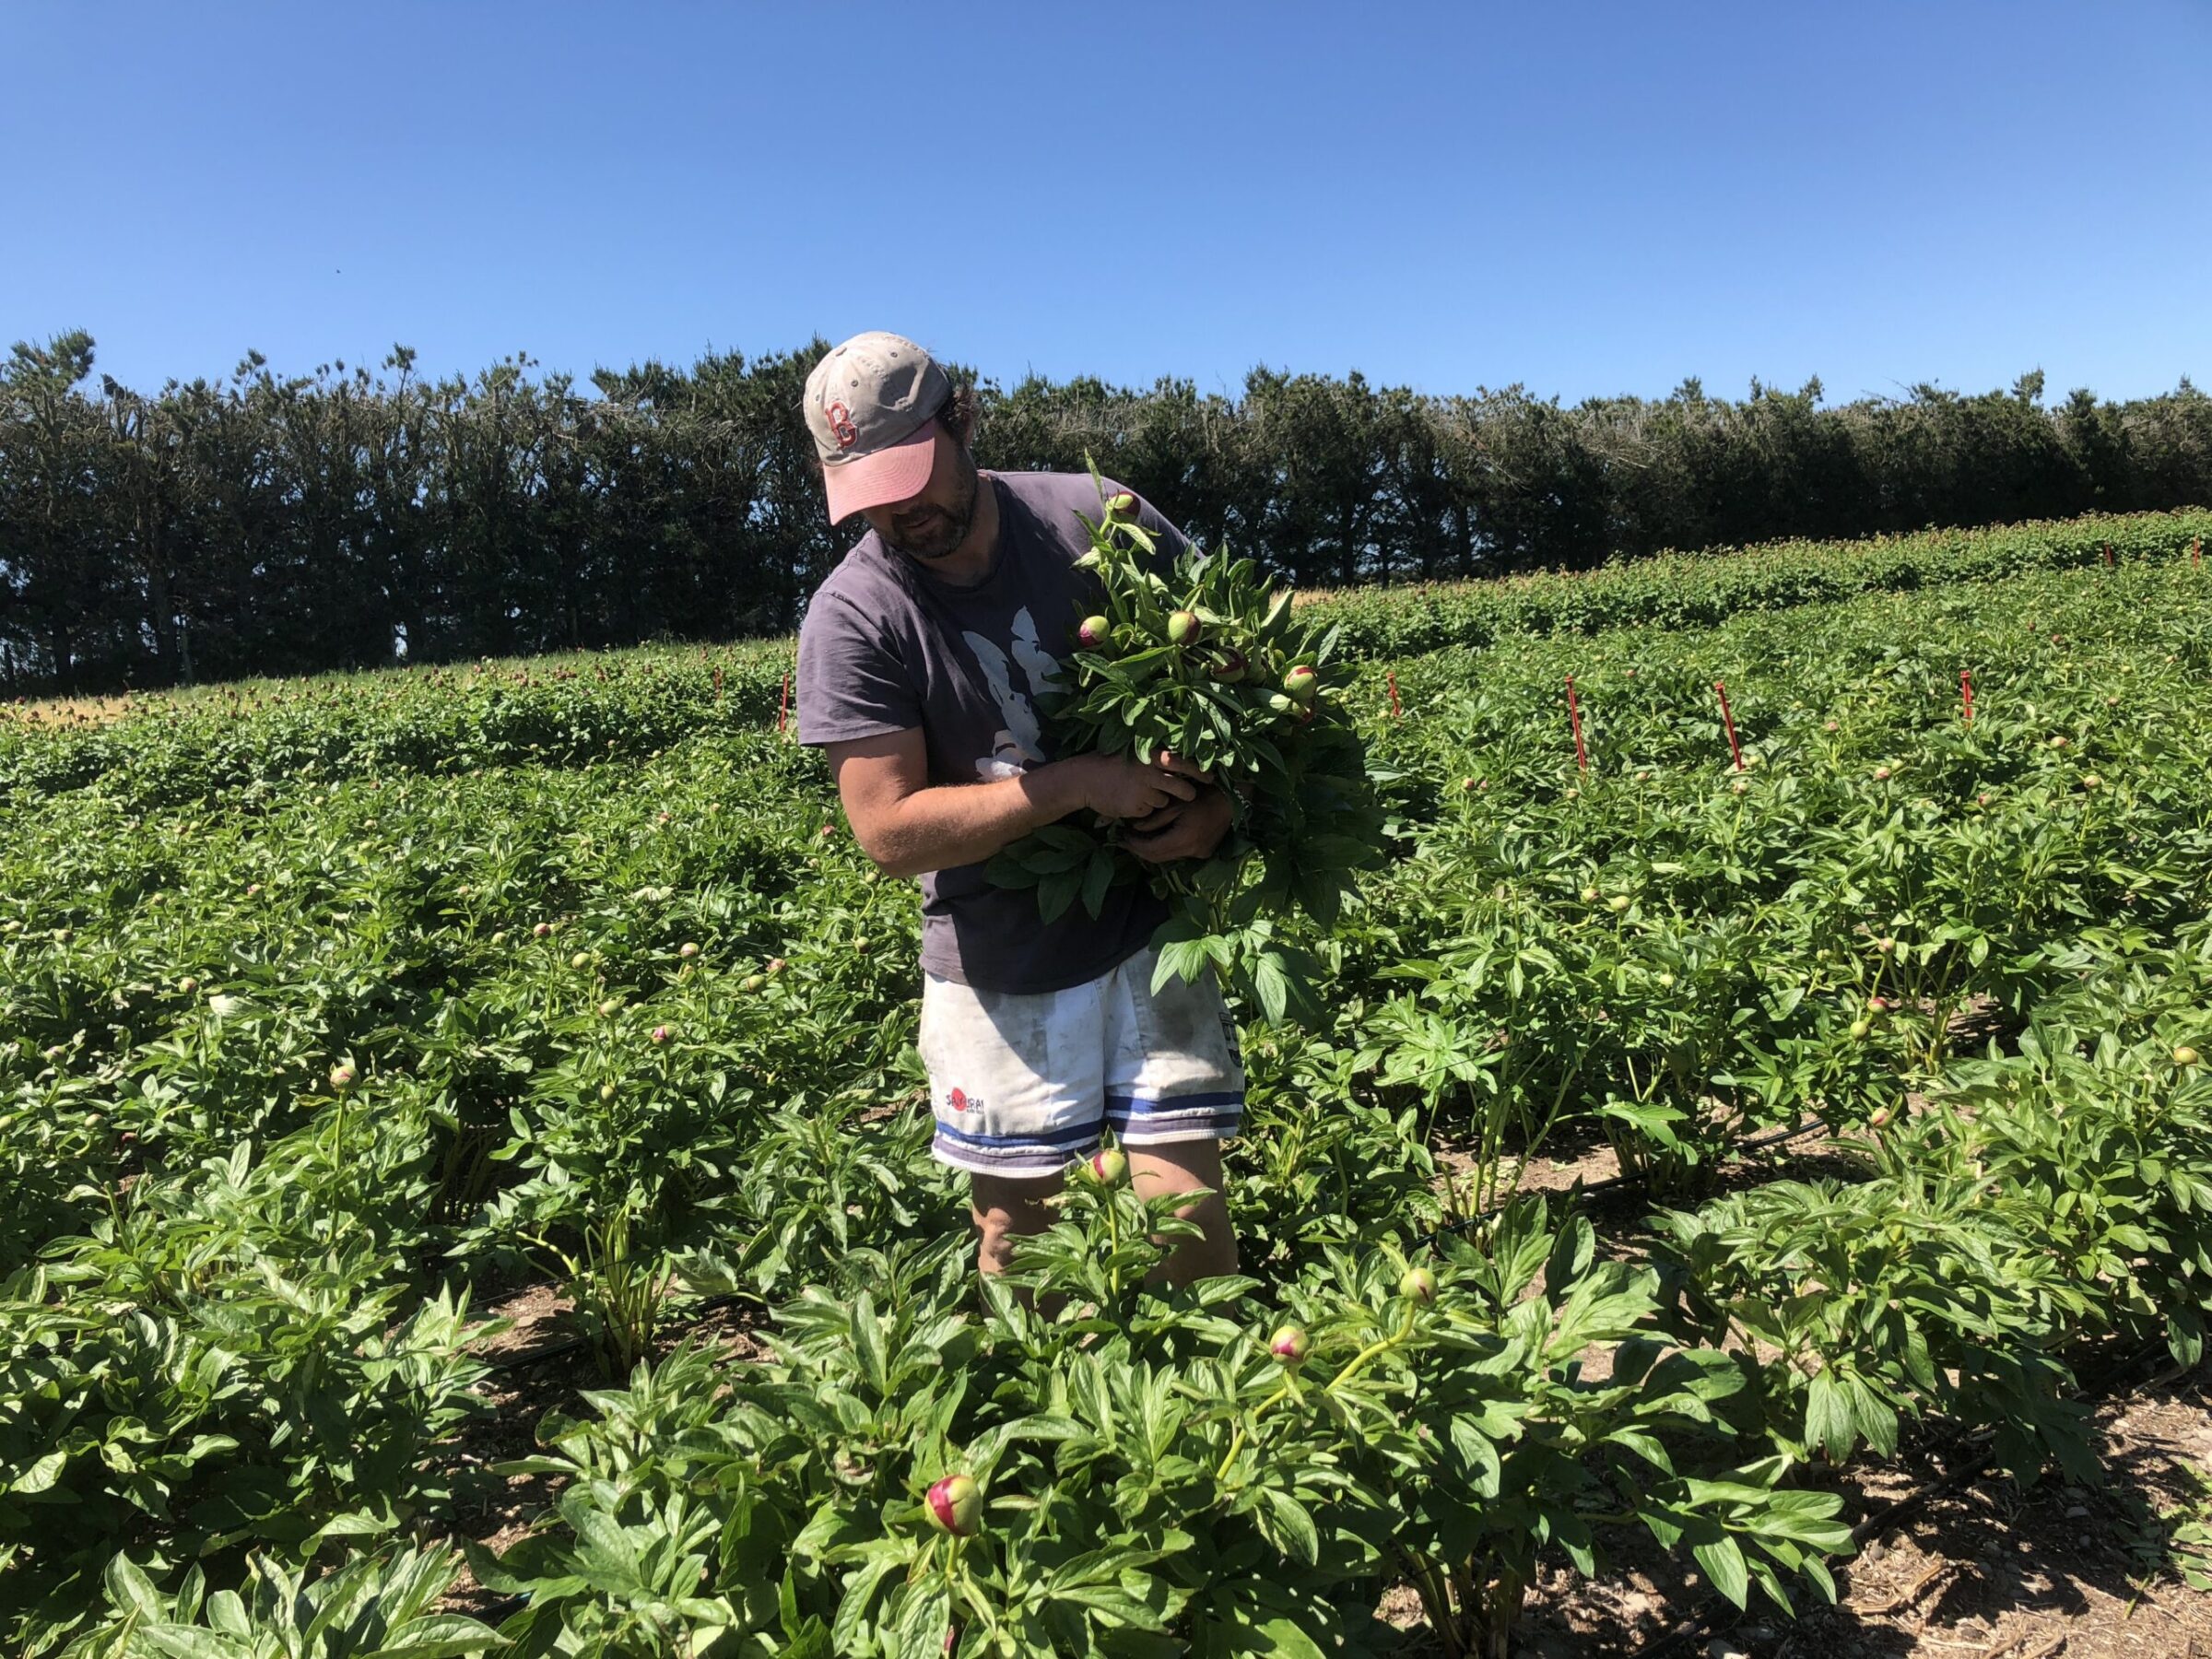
(934, 532)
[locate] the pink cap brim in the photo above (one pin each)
(890, 474)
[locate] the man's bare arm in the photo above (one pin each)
(909, 825)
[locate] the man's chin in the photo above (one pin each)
(936, 548)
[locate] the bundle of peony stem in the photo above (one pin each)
(1200, 657)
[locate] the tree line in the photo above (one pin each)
(272, 524)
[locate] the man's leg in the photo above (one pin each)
(1185, 1166)
(1006, 1207)
(1014, 1082)
(1174, 1092)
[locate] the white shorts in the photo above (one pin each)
(1022, 1085)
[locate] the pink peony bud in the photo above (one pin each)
(955, 1505)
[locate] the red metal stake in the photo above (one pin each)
(1574, 718)
(784, 708)
(1392, 675)
(2197, 550)
(717, 685)
(1966, 692)
(2108, 556)
(1728, 719)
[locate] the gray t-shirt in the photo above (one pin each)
(874, 660)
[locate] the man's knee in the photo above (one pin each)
(1177, 1168)
(1183, 1167)
(1005, 1210)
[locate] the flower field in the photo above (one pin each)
(333, 1016)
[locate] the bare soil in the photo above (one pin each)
(540, 1368)
(1987, 1571)
(497, 1510)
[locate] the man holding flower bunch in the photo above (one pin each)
(919, 662)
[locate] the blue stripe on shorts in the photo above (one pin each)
(1039, 1142)
(1214, 1114)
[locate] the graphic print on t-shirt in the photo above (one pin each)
(1018, 744)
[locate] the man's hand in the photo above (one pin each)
(1184, 829)
(1190, 829)
(910, 827)
(1118, 788)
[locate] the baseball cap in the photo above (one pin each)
(869, 404)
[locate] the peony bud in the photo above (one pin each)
(1182, 628)
(2185, 1056)
(1289, 1345)
(341, 1077)
(1301, 682)
(661, 1033)
(955, 1505)
(1094, 634)
(1108, 1165)
(1417, 1284)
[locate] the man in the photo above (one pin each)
(920, 661)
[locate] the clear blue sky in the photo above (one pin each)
(1586, 197)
